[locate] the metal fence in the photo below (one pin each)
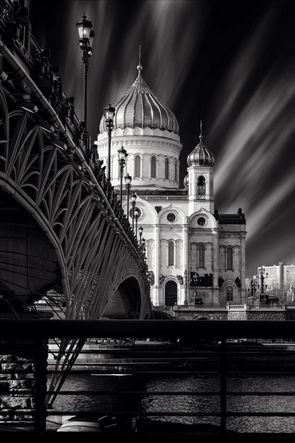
(30, 355)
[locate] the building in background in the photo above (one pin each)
(196, 255)
(279, 281)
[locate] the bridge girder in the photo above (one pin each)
(93, 251)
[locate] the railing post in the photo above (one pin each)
(40, 387)
(223, 386)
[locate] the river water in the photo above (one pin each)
(187, 402)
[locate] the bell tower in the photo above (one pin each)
(200, 177)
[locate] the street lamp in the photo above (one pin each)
(109, 114)
(140, 231)
(262, 274)
(133, 203)
(122, 157)
(86, 34)
(136, 215)
(143, 248)
(186, 286)
(128, 180)
(254, 286)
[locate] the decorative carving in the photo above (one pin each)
(180, 279)
(204, 280)
(151, 277)
(238, 282)
(220, 281)
(161, 278)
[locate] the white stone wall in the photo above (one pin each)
(146, 143)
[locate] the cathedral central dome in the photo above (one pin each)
(140, 108)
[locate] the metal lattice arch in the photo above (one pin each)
(88, 253)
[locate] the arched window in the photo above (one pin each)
(175, 170)
(171, 253)
(201, 256)
(153, 167)
(137, 166)
(201, 186)
(229, 259)
(167, 168)
(229, 293)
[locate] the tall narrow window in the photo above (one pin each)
(229, 259)
(201, 256)
(153, 167)
(229, 293)
(194, 258)
(175, 170)
(137, 166)
(201, 186)
(167, 168)
(171, 253)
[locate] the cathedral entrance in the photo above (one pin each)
(170, 293)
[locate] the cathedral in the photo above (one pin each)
(195, 255)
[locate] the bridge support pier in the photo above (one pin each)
(23, 382)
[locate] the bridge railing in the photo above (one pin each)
(23, 62)
(194, 349)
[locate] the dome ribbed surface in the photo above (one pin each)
(140, 108)
(200, 155)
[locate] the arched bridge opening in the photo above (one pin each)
(29, 265)
(125, 302)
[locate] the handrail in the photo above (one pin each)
(188, 329)
(201, 333)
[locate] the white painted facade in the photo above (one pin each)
(195, 255)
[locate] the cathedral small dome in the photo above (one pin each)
(139, 107)
(200, 155)
(185, 181)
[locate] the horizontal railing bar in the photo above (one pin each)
(149, 413)
(143, 393)
(134, 413)
(25, 393)
(260, 414)
(162, 360)
(172, 414)
(143, 372)
(147, 328)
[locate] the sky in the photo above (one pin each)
(230, 64)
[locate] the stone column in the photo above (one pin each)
(185, 266)
(157, 287)
(243, 269)
(215, 269)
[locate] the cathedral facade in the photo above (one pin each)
(195, 255)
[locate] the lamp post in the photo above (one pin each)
(262, 274)
(128, 180)
(86, 34)
(140, 231)
(186, 286)
(133, 202)
(109, 113)
(143, 247)
(122, 157)
(136, 215)
(254, 285)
